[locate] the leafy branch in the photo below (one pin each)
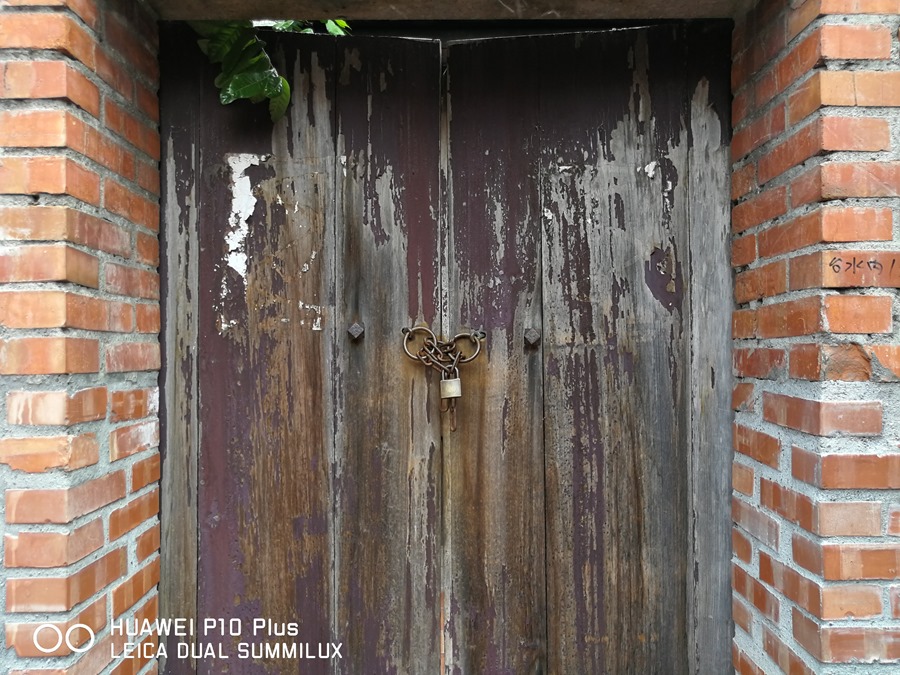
(247, 71)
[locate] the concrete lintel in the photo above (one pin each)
(365, 10)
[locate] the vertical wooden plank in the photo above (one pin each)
(388, 464)
(266, 297)
(710, 624)
(615, 255)
(183, 72)
(494, 602)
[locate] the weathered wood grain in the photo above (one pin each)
(710, 627)
(180, 271)
(615, 253)
(388, 462)
(494, 587)
(577, 520)
(266, 333)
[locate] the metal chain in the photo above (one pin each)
(445, 357)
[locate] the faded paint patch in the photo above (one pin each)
(243, 203)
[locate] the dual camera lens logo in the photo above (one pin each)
(61, 637)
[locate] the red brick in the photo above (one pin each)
(48, 355)
(133, 514)
(21, 636)
(841, 180)
(765, 206)
(86, 9)
(762, 363)
(145, 472)
(49, 80)
(51, 31)
(754, 522)
(825, 134)
(849, 562)
(148, 543)
(146, 249)
(850, 471)
(55, 223)
(850, 602)
(129, 592)
(742, 396)
(758, 132)
(856, 42)
(846, 362)
(37, 454)
(846, 269)
(791, 318)
(56, 407)
(742, 478)
(756, 444)
(834, 644)
(60, 594)
(140, 134)
(132, 356)
(742, 615)
(743, 251)
(148, 318)
(743, 323)
(63, 505)
(895, 602)
(793, 585)
(129, 204)
(792, 506)
(858, 313)
(823, 418)
(53, 549)
(755, 592)
(743, 180)
(761, 282)
(132, 439)
(132, 404)
(743, 664)
(53, 262)
(743, 549)
(879, 88)
(61, 309)
(801, 59)
(780, 653)
(121, 37)
(885, 361)
(826, 225)
(131, 281)
(48, 174)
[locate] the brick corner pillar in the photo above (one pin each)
(79, 332)
(816, 252)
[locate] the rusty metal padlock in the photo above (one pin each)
(451, 387)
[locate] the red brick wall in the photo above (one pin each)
(79, 324)
(816, 254)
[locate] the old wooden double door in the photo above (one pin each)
(571, 184)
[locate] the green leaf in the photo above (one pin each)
(334, 28)
(278, 104)
(244, 57)
(249, 84)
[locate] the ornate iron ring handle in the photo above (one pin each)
(410, 334)
(475, 336)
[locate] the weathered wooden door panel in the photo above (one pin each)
(567, 187)
(493, 464)
(388, 464)
(616, 188)
(615, 257)
(265, 344)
